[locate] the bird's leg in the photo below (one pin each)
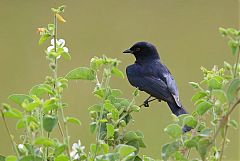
(145, 103)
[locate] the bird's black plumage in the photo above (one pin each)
(150, 75)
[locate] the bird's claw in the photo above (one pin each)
(145, 103)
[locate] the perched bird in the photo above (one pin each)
(148, 74)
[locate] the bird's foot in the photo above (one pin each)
(145, 103)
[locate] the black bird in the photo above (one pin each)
(150, 75)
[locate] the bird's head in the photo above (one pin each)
(143, 51)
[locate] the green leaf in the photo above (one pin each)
(93, 127)
(11, 158)
(220, 95)
(44, 141)
(168, 149)
(2, 158)
(203, 147)
(21, 123)
(124, 150)
(206, 132)
(190, 143)
(83, 73)
(108, 106)
(198, 96)
(227, 66)
(190, 121)
(96, 107)
(11, 112)
(233, 44)
(233, 89)
(19, 98)
(60, 149)
(73, 120)
(96, 63)
(194, 85)
(146, 158)
(131, 135)
(173, 130)
(41, 89)
(61, 158)
(49, 122)
(215, 83)
(31, 158)
(116, 92)
(117, 72)
(223, 31)
(43, 38)
(203, 107)
(110, 130)
(233, 123)
(66, 55)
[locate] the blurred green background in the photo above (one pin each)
(184, 31)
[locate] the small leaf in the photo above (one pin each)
(11, 112)
(110, 130)
(169, 149)
(93, 127)
(233, 44)
(117, 72)
(43, 38)
(223, 31)
(66, 55)
(19, 98)
(215, 83)
(190, 121)
(220, 95)
(203, 107)
(44, 141)
(81, 73)
(60, 149)
(173, 130)
(96, 107)
(194, 85)
(203, 147)
(11, 158)
(61, 158)
(49, 122)
(124, 150)
(233, 89)
(198, 96)
(234, 124)
(227, 66)
(31, 158)
(21, 123)
(41, 89)
(73, 120)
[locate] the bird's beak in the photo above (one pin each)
(128, 51)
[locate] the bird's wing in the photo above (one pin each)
(152, 85)
(171, 85)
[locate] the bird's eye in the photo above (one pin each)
(138, 49)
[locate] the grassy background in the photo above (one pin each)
(184, 31)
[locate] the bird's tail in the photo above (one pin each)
(178, 111)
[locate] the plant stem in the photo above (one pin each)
(66, 136)
(10, 135)
(223, 142)
(224, 119)
(99, 124)
(237, 60)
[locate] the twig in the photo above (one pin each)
(10, 135)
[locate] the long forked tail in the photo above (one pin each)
(178, 111)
